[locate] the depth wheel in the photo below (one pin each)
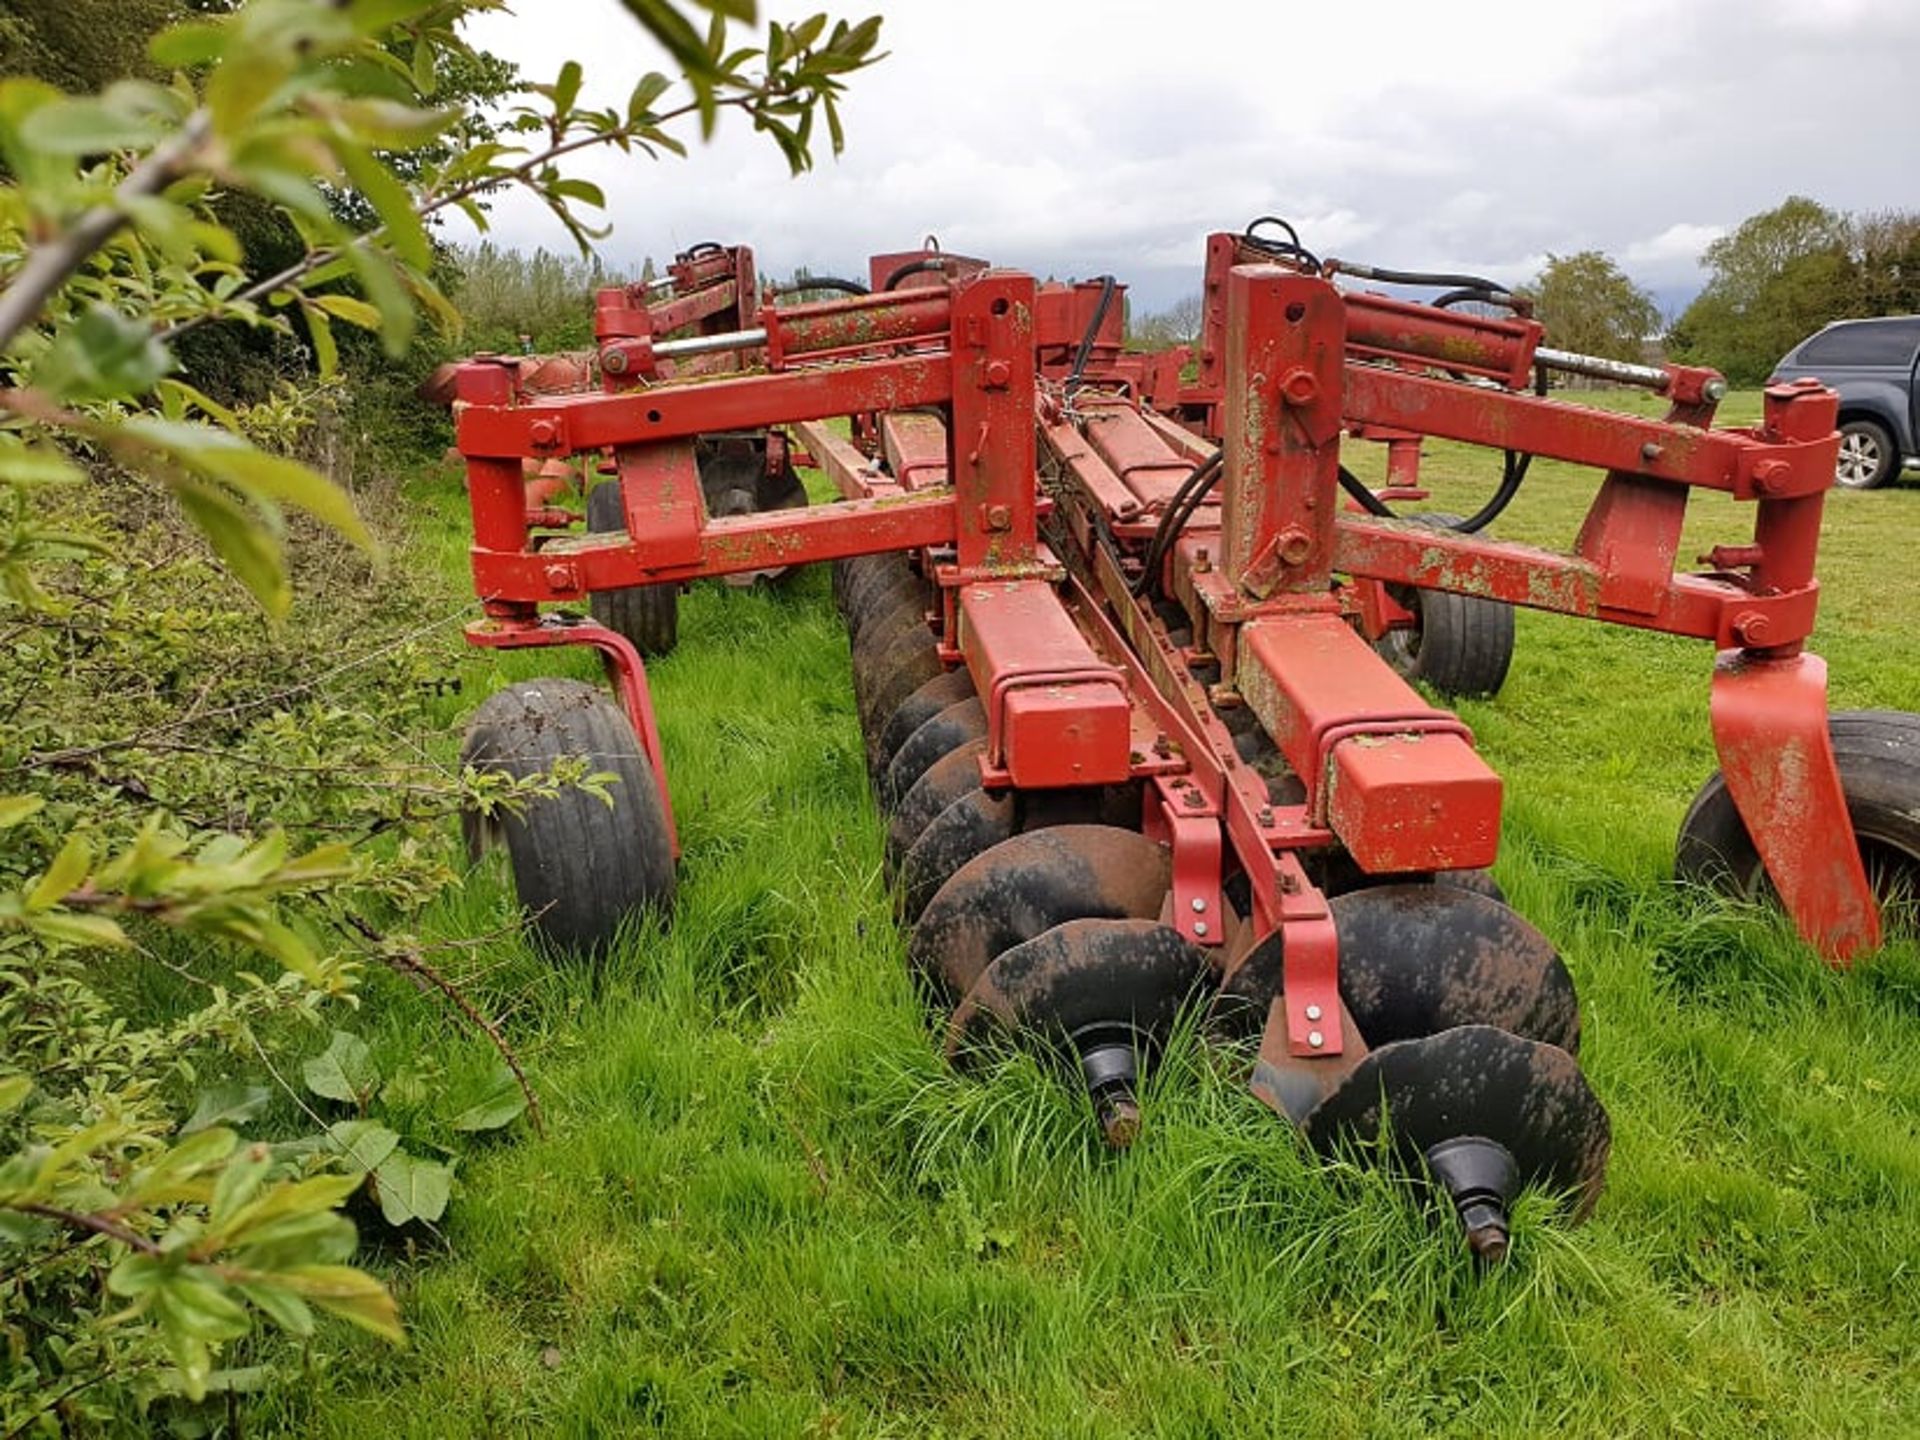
(581, 865)
(1461, 645)
(648, 615)
(1878, 753)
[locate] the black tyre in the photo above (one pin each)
(1868, 458)
(580, 865)
(1458, 644)
(648, 615)
(1878, 752)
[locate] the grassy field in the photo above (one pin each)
(767, 1209)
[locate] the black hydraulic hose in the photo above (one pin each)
(1174, 518)
(915, 267)
(821, 282)
(1513, 473)
(1436, 278)
(1287, 249)
(1107, 287)
(701, 247)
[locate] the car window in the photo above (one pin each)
(1873, 344)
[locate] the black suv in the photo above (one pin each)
(1871, 363)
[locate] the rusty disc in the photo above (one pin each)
(977, 822)
(953, 727)
(1481, 1082)
(948, 688)
(1030, 884)
(857, 570)
(1081, 979)
(970, 826)
(1419, 959)
(906, 665)
(954, 774)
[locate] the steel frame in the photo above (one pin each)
(1082, 681)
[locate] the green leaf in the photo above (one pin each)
(193, 43)
(240, 1181)
(326, 354)
(411, 1189)
(745, 11)
(499, 1104)
(229, 458)
(343, 1071)
(365, 1144)
(286, 1309)
(16, 808)
(231, 1102)
(14, 1090)
(86, 932)
(406, 232)
(103, 355)
(240, 541)
(350, 1294)
(23, 464)
(566, 89)
(90, 126)
(345, 307)
(66, 872)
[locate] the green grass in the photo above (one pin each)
(766, 1207)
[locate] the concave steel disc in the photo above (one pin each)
(1482, 1082)
(1027, 885)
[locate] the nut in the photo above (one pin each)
(999, 374)
(1300, 386)
(1295, 546)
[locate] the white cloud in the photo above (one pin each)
(1077, 139)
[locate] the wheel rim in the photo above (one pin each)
(1859, 460)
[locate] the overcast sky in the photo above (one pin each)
(1076, 138)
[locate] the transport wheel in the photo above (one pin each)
(1101, 995)
(1472, 1027)
(735, 482)
(1868, 457)
(648, 615)
(1878, 752)
(1458, 644)
(580, 865)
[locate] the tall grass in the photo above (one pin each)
(767, 1208)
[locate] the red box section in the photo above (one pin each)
(1056, 713)
(1414, 802)
(1065, 735)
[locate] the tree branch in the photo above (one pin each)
(410, 963)
(49, 265)
(98, 1224)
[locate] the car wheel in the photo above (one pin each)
(1867, 457)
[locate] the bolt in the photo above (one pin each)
(1316, 1039)
(1202, 560)
(999, 517)
(1299, 386)
(1200, 928)
(613, 360)
(544, 432)
(1715, 389)
(999, 374)
(1295, 546)
(1195, 799)
(1199, 905)
(1265, 817)
(1751, 629)
(559, 577)
(1650, 452)
(1313, 1012)
(1770, 476)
